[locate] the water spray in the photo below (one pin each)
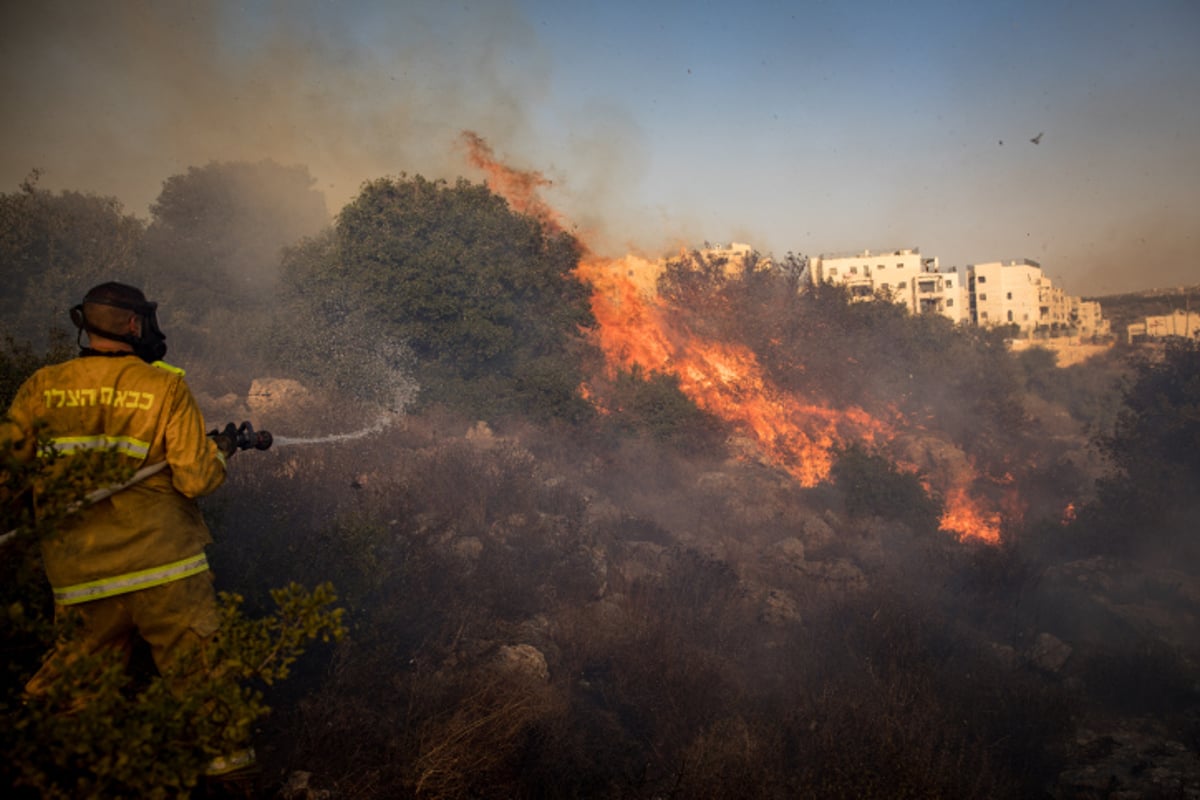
(296, 441)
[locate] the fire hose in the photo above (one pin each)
(243, 438)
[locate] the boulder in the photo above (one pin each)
(779, 608)
(1132, 758)
(523, 660)
(1049, 653)
(272, 395)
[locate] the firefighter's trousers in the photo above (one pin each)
(175, 618)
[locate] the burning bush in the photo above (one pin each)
(874, 486)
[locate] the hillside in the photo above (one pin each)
(723, 540)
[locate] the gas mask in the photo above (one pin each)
(150, 346)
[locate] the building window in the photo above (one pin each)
(983, 297)
(833, 272)
(883, 286)
(902, 285)
(1010, 295)
(949, 284)
(854, 270)
(950, 302)
(983, 315)
(982, 279)
(899, 266)
(1010, 316)
(1026, 318)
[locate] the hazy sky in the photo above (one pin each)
(805, 126)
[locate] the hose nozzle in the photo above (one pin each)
(248, 438)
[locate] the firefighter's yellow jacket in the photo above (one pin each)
(151, 533)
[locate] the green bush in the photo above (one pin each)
(485, 298)
(654, 405)
(874, 486)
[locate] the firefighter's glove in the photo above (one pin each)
(227, 440)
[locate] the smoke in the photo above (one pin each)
(128, 93)
(114, 98)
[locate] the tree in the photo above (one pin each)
(53, 248)
(874, 486)
(219, 229)
(484, 297)
(211, 256)
(326, 335)
(1150, 504)
(654, 405)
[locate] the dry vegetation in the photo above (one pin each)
(565, 602)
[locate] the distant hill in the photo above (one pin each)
(1123, 309)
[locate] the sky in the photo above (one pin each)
(805, 127)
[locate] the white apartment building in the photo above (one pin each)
(1054, 306)
(1006, 293)
(1087, 320)
(1177, 323)
(992, 294)
(734, 256)
(943, 293)
(893, 272)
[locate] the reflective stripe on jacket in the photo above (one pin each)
(150, 533)
(130, 582)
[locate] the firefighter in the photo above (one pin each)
(135, 561)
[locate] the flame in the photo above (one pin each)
(722, 378)
(965, 516)
(518, 187)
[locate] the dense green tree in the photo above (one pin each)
(1158, 430)
(326, 335)
(211, 258)
(53, 248)
(484, 297)
(1150, 505)
(874, 486)
(219, 230)
(654, 405)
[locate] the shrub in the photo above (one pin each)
(874, 486)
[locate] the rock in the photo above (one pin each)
(1100, 595)
(468, 548)
(779, 608)
(481, 435)
(297, 788)
(1133, 758)
(1049, 653)
(275, 394)
(791, 551)
(523, 660)
(818, 532)
(638, 561)
(1004, 655)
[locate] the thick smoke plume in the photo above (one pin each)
(118, 95)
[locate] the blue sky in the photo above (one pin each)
(808, 127)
